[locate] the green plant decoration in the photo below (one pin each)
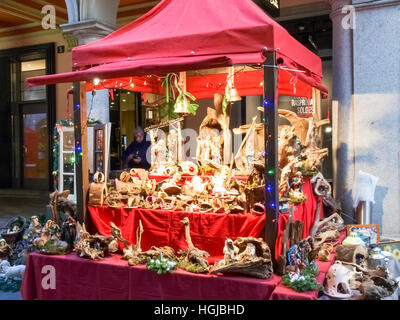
(225, 102)
(305, 171)
(167, 110)
(306, 283)
(161, 265)
(186, 96)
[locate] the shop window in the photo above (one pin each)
(31, 69)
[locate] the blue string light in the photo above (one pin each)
(266, 103)
(272, 204)
(269, 188)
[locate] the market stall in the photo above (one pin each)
(192, 215)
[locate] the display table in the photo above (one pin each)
(164, 228)
(82, 279)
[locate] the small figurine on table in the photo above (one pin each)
(216, 151)
(172, 146)
(249, 150)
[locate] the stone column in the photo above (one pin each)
(89, 21)
(366, 100)
(342, 107)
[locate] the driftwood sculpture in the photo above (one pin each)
(313, 157)
(167, 252)
(253, 259)
(133, 253)
(374, 284)
(296, 232)
(94, 246)
(55, 198)
(330, 234)
(192, 259)
(335, 221)
(356, 254)
(68, 231)
(282, 261)
(97, 190)
(117, 234)
(286, 144)
(301, 125)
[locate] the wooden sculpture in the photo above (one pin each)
(357, 254)
(213, 149)
(253, 259)
(97, 190)
(93, 246)
(192, 259)
(282, 261)
(132, 253)
(61, 199)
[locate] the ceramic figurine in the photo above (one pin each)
(338, 282)
(161, 152)
(5, 249)
(172, 146)
(353, 239)
(35, 228)
(249, 151)
(12, 272)
(216, 151)
(230, 251)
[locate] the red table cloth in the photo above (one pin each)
(164, 228)
(112, 279)
(82, 279)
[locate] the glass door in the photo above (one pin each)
(31, 116)
(35, 146)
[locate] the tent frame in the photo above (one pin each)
(271, 149)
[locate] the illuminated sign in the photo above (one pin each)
(272, 7)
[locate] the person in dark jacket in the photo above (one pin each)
(135, 155)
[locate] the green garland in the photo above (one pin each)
(167, 108)
(310, 271)
(307, 284)
(161, 265)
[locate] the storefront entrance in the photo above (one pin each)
(26, 118)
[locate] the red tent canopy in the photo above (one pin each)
(183, 35)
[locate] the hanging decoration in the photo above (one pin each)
(231, 93)
(167, 108)
(183, 105)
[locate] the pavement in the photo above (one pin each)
(25, 203)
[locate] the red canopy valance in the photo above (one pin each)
(183, 35)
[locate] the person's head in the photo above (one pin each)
(138, 135)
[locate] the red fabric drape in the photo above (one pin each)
(164, 228)
(112, 279)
